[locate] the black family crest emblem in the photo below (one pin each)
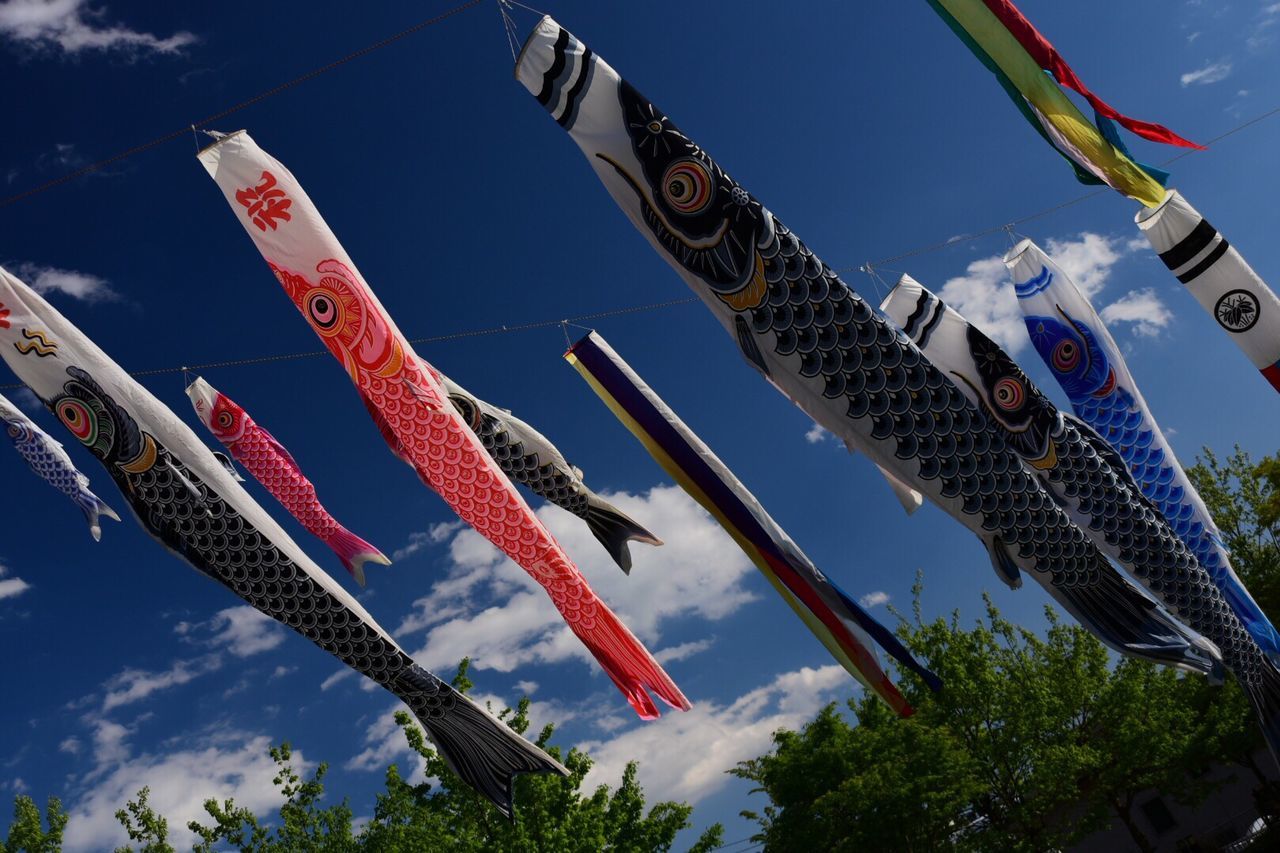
(1237, 311)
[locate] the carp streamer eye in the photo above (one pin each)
(225, 420)
(77, 417)
(1009, 394)
(687, 187)
(324, 312)
(1066, 355)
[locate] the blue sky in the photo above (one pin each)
(866, 127)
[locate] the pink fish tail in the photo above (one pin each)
(628, 663)
(354, 552)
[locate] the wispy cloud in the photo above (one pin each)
(11, 587)
(874, 599)
(816, 433)
(1211, 72)
(134, 685)
(72, 27)
(1143, 308)
(420, 539)
(78, 285)
(682, 651)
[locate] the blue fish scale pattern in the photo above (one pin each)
(1118, 419)
(886, 379)
(66, 480)
(1150, 549)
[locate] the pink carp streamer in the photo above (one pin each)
(413, 410)
(274, 467)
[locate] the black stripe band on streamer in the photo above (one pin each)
(916, 315)
(557, 67)
(1190, 246)
(1209, 260)
(927, 331)
(574, 98)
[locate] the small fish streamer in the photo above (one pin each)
(835, 619)
(184, 497)
(273, 466)
(411, 407)
(528, 457)
(47, 458)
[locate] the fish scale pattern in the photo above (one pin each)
(526, 468)
(285, 482)
(887, 381)
(1117, 418)
(1152, 551)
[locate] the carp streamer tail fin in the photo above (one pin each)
(354, 552)
(93, 507)
(628, 663)
(614, 529)
(1132, 624)
(480, 748)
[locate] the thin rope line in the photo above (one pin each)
(995, 229)
(454, 336)
(261, 96)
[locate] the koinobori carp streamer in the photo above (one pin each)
(1219, 278)
(184, 497)
(1091, 481)
(47, 458)
(824, 347)
(839, 622)
(1074, 343)
(528, 457)
(405, 396)
(274, 467)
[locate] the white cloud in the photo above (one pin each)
(874, 599)
(682, 651)
(434, 535)
(134, 685)
(1088, 260)
(78, 285)
(220, 764)
(341, 675)
(70, 745)
(699, 572)
(684, 756)
(527, 688)
(1211, 72)
(817, 433)
(72, 26)
(984, 294)
(282, 671)
(11, 587)
(245, 631)
(1143, 308)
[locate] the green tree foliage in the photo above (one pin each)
(27, 832)
(442, 813)
(1036, 741)
(1244, 500)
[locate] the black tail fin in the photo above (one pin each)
(480, 748)
(615, 530)
(1130, 622)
